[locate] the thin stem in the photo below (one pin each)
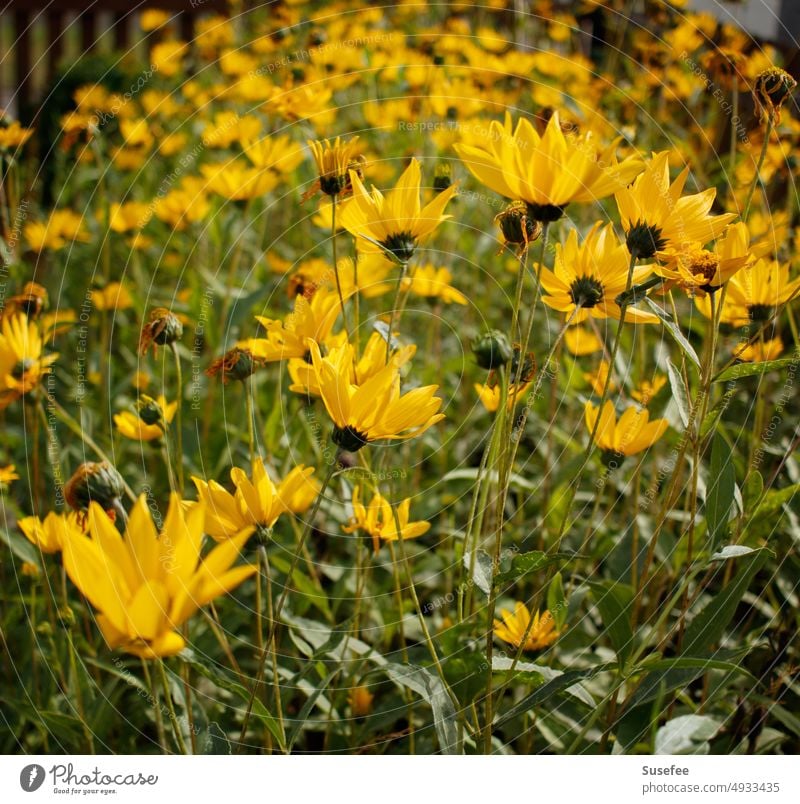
(251, 435)
(271, 635)
(176, 726)
(336, 267)
(400, 277)
(757, 177)
(162, 737)
(178, 416)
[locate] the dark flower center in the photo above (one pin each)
(22, 368)
(401, 245)
(586, 291)
(348, 438)
(644, 241)
(334, 185)
(546, 213)
(760, 312)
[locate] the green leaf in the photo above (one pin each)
(714, 415)
(687, 734)
(525, 563)
(304, 585)
(482, 571)
(706, 628)
(430, 687)
(467, 674)
(690, 663)
(753, 489)
(752, 369)
(557, 601)
(549, 689)
(720, 489)
(669, 323)
(614, 602)
(775, 500)
(213, 740)
(577, 690)
(225, 682)
(21, 547)
(732, 551)
(679, 392)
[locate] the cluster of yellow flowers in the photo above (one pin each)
(623, 236)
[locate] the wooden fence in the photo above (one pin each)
(35, 35)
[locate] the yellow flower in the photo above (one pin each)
(49, 534)
(360, 700)
(590, 277)
(22, 363)
(374, 410)
(395, 222)
(582, 341)
(657, 219)
(312, 318)
(333, 164)
(371, 361)
(130, 425)
(512, 628)
(230, 127)
(646, 391)
(114, 296)
(8, 474)
(633, 432)
(129, 216)
(63, 226)
(147, 584)
(758, 352)
(136, 133)
(433, 283)
(699, 271)
(166, 57)
(756, 293)
(547, 172)
(238, 182)
(382, 521)
(597, 379)
(489, 395)
(171, 144)
(153, 18)
(14, 136)
(257, 502)
(181, 207)
(280, 154)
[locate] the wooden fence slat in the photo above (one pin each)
(88, 25)
(55, 41)
(121, 31)
(22, 58)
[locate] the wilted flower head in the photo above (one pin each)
(771, 89)
(235, 364)
(162, 329)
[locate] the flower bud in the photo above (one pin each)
(492, 350)
(94, 482)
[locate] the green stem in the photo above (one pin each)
(178, 416)
(392, 319)
(757, 177)
(273, 630)
(176, 726)
(336, 268)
